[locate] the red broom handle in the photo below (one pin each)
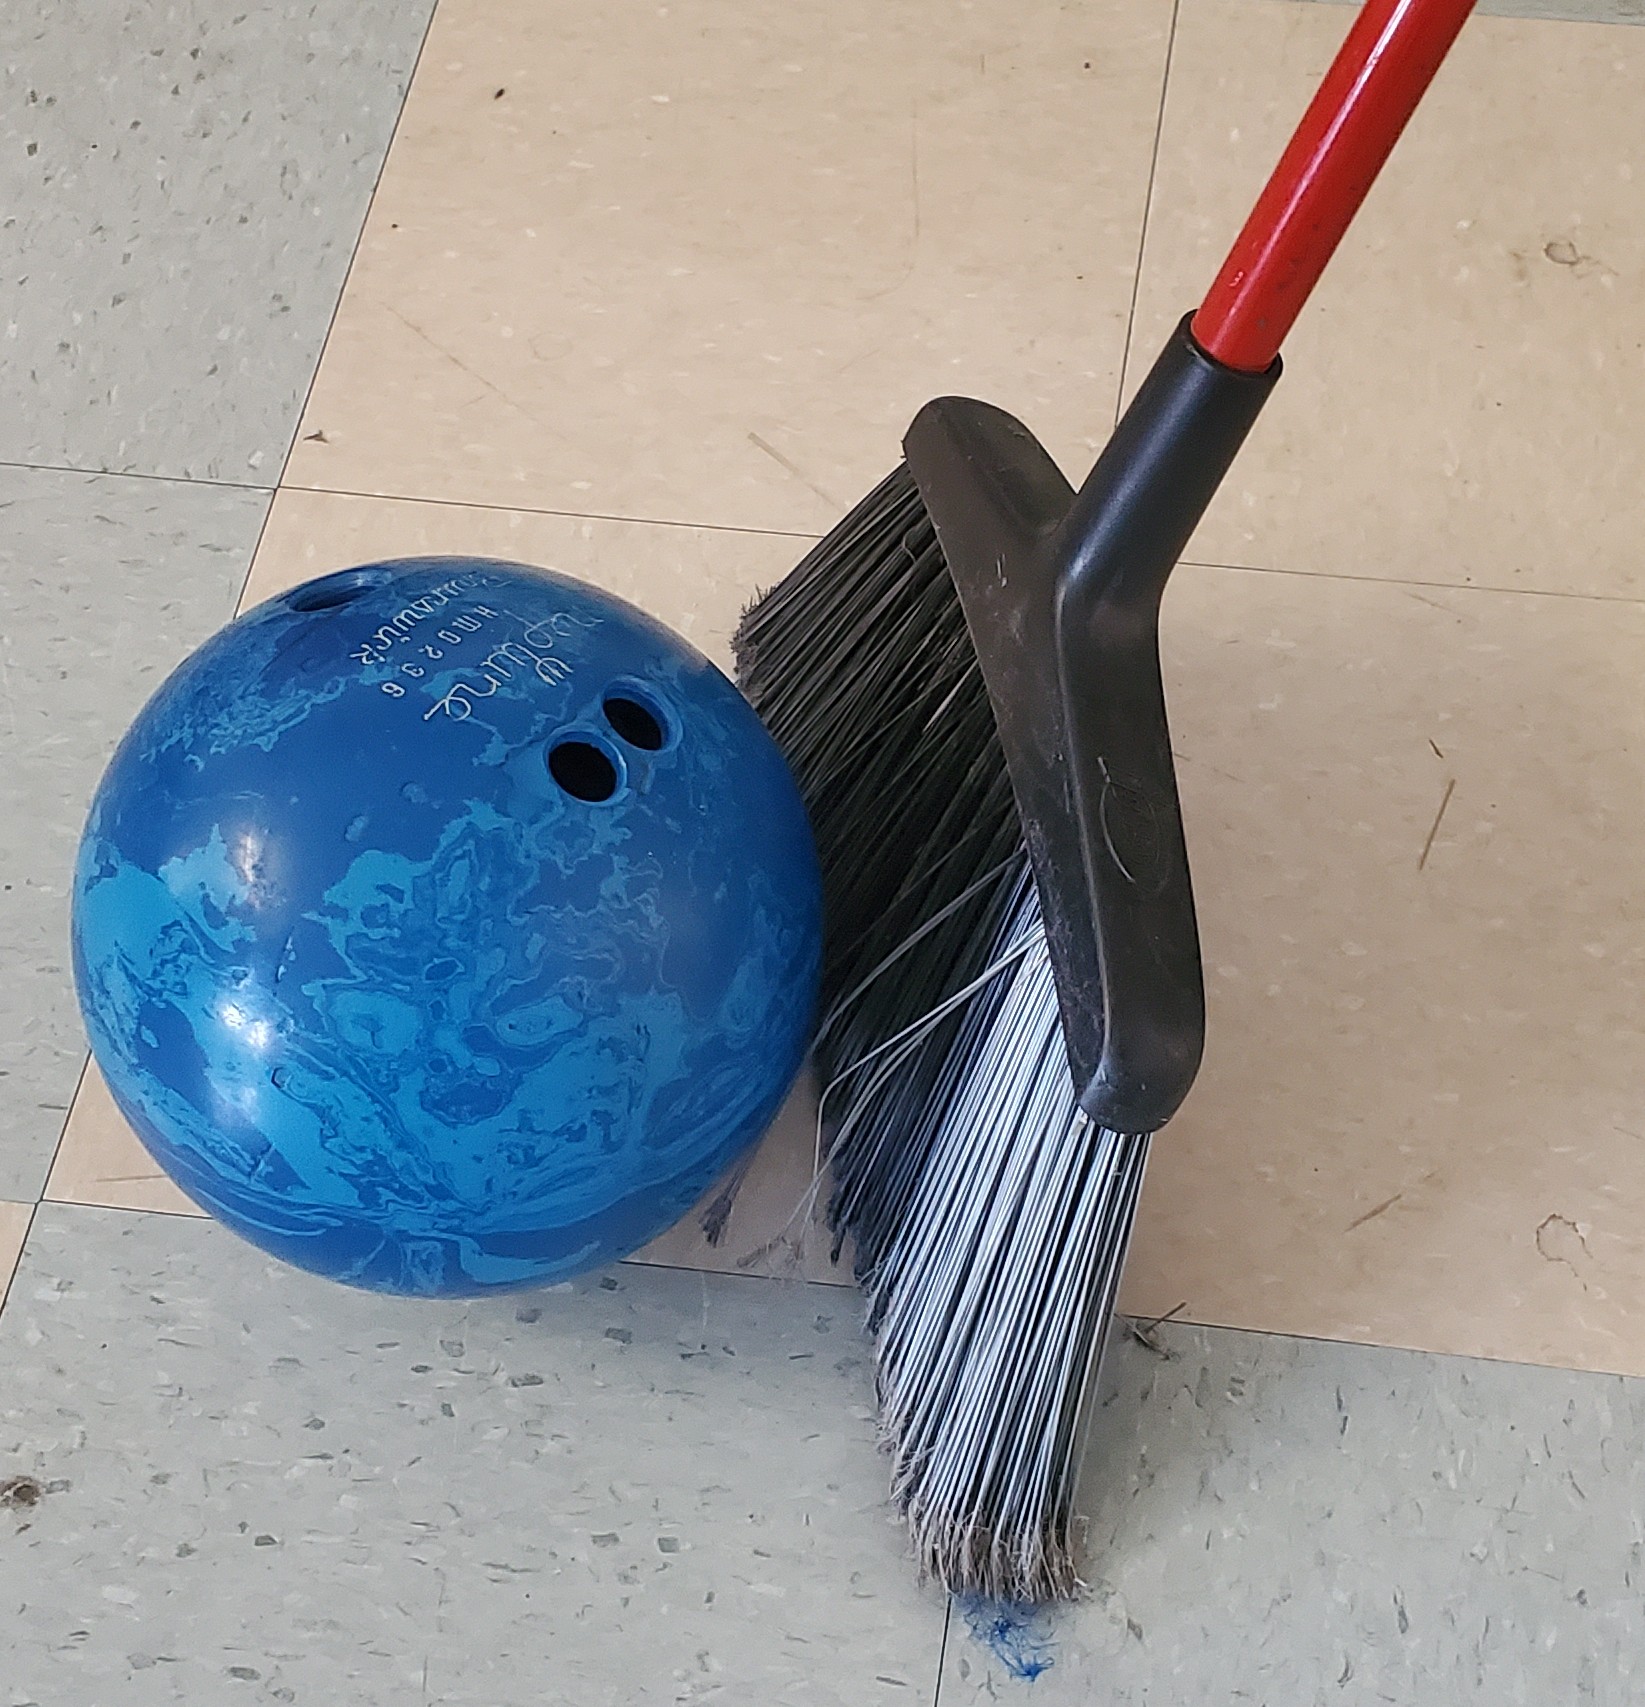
(1378, 76)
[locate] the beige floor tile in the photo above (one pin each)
(692, 264)
(696, 580)
(14, 1226)
(1462, 400)
(1415, 817)
(101, 1161)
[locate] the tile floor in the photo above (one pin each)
(647, 295)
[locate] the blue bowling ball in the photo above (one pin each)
(446, 925)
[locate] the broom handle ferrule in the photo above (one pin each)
(1374, 83)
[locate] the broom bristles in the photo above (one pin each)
(989, 1216)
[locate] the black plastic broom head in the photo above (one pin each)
(1061, 592)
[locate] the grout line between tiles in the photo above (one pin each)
(1147, 206)
(354, 255)
(139, 474)
(1527, 14)
(28, 1227)
(826, 1288)
(543, 510)
(62, 1130)
(270, 493)
(942, 1649)
(336, 308)
(784, 533)
(1406, 581)
(834, 1288)
(251, 559)
(635, 1261)
(1188, 1321)
(139, 1209)
(638, 1261)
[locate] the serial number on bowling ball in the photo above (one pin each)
(531, 652)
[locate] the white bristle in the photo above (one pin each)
(993, 1298)
(988, 1216)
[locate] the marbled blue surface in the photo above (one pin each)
(377, 991)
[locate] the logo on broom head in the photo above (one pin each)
(1131, 832)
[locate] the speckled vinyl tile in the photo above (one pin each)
(183, 186)
(1287, 1522)
(249, 1484)
(109, 583)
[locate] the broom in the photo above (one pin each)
(965, 678)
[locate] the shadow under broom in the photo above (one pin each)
(965, 678)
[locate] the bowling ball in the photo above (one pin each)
(445, 925)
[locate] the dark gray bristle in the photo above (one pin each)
(988, 1217)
